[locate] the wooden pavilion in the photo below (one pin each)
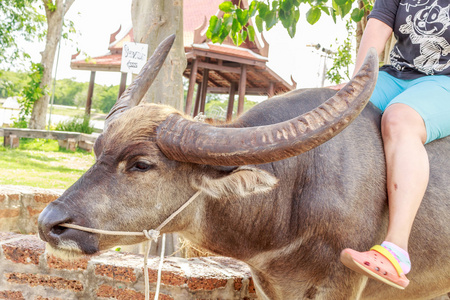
(109, 62)
(225, 69)
(219, 69)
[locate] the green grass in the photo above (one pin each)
(40, 163)
(76, 112)
(70, 112)
(76, 124)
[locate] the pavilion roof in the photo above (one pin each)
(226, 56)
(221, 73)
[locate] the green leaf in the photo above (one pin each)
(345, 9)
(252, 8)
(212, 24)
(51, 6)
(242, 16)
(226, 27)
(239, 39)
(251, 33)
(234, 38)
(244, 35)
(263, 10)
(215, 39)
(357, 14)
(227, 20)
(271, 19)
(286, 5)
(275, 5)
(313, 15)
(217, 27)
(259, 23)
(326, 9)
(236, 27)
(333, 15)
(296, 15)
(285, 18)
(334, 5)
(361, 14)
(340, 2)
(226, 6)
(223, 34)
(291, 30)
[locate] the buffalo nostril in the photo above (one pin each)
(50, 219)
(58, 230)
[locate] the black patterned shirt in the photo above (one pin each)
(422, 29)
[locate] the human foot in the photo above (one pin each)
(378, 263)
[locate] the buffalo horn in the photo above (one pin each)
(136, 91)
(188, 141)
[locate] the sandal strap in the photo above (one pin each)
(383, 251)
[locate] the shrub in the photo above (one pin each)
(19, 123)
(76, 124)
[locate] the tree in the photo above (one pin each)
(235, 21)
(105, 97)
(54, 11)
(12, 83)
(67, 89)
(18, 20)
(153, 21)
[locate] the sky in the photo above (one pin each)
(96, 20)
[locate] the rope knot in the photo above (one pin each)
(151, 234)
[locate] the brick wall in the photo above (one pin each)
(26, 272)
(20, 207)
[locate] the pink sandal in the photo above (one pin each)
(378, 263)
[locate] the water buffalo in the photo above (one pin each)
(281, 190)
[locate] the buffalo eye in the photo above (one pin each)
(141, 166)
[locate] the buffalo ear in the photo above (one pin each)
(98, 146)
(242, 182)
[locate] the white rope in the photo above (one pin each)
(146, 283)
(161, 261)
(151, 235)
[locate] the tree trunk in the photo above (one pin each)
(54, 28)
(361, 25)
(153, 21)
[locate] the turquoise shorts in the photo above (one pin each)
(428, 95)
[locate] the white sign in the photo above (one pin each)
(134, 57)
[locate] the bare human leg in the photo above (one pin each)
(404, 135)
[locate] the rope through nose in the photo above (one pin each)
(151, 235)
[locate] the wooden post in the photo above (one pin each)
(204, 89)
(271, 91)
(242, 86)
(231, 101)
(123, 84)
(190, 93)
(197, 100)
(89, 95)
(11, 140)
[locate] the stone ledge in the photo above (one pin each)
(26, 270)
(20, 207)
(66, 139)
